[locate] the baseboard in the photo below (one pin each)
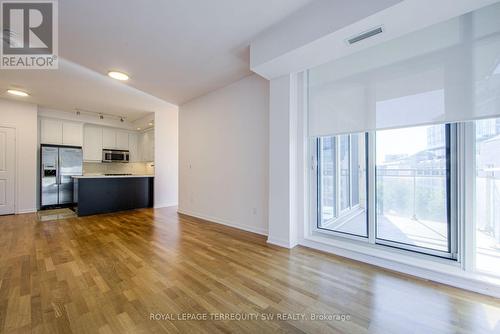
(280, 242)
(20, 212)
(449, 278)
(164, 205)
(223, 222)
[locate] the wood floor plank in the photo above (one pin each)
(150, 270)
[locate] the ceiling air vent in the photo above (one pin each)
(365, 35)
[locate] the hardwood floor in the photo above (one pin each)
(146, 271)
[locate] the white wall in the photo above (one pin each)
(23, 117)
(223, 162)
(166, 157)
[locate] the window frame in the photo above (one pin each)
(339, 176)
(452, 222)
(316, 187)
(453, 185)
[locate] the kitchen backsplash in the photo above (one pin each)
(146, 168)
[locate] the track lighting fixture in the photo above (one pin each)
(101, 115)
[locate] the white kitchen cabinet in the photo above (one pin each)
(114, 139)
(72, 133)
(133, 147)
(122, 140)
(51, 131)
(108, 138)
(92, 143)
(152, 145)
(60, 132)
(147, 146)
(95, 138)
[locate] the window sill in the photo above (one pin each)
(345, 217)
(419, 265)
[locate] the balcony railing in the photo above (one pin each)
(411, 206)
(411, 192)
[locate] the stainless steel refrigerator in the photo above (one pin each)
(59, 164)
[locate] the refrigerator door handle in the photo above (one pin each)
(59, 164)
(58, 172)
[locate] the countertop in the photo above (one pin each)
(98, 176)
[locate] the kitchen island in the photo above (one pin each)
(96, 194)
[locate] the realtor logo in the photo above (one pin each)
(29, 35)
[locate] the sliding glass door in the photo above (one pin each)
(413, 171)
(413, 174)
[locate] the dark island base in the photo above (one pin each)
(103, 195)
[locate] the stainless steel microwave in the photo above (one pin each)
(115, 155)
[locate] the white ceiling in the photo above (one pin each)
(75, 87)
(295, 44)
(174, 50)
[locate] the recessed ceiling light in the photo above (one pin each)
(138, 128)
(150, 123)
(118, 75)
(17, 92)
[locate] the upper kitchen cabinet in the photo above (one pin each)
(122, 140)
(51, 131)
(147, 146)
(114, 139)
(72, 133)
(108, 138)
(133, 147)
(60, 132)
(92, 143)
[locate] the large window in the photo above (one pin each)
(342, 184)
(487, 195)
(412, 188)
(429, 166)
(419, 185)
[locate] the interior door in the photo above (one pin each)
(70, 163)
(7, 170)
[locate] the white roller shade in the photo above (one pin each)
(445, 73)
